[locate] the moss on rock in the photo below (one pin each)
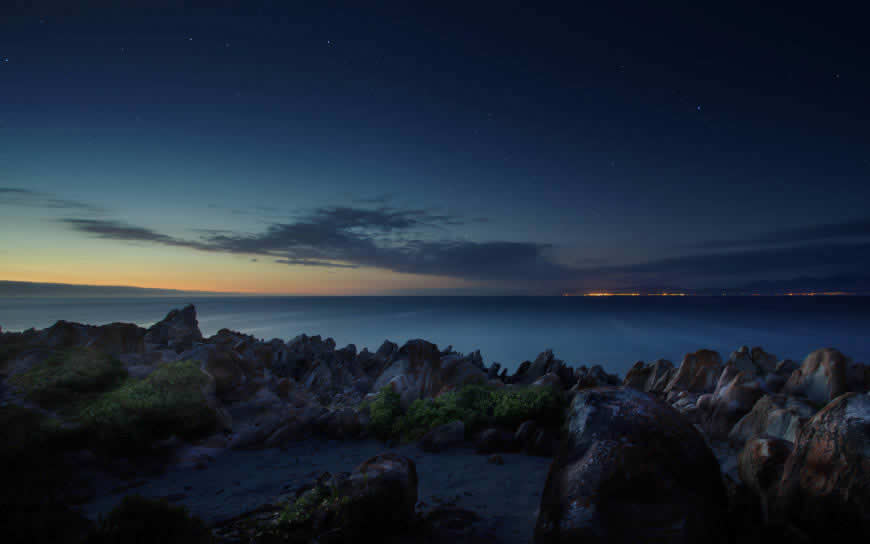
(68, 375)
(168, 402)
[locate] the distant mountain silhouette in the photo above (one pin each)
(32, 289)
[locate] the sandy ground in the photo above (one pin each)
(238, 481)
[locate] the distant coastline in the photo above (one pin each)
(33, 289)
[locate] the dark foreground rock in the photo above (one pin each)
(825, 488)
(631, 469)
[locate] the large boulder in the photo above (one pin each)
(822, 377)
(698, 373)
(375, 501)
(630, 469)
(825, 487)
(444, 436)
(777, 416)
(178, 331)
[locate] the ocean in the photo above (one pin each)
(614, 332)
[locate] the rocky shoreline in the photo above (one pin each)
(747, 449)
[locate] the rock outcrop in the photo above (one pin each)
(825, 487)
(178, 331)
(698, 373)
(777, 416)
(627, 456)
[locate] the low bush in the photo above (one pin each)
(168, 402)
(138, 520)
(68, 376)
(384, 411)
(475, 405)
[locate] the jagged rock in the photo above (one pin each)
(821, 378)
(637, 376)
(760, 466)
(549, 379)
(444, 436)
(651, 378)
(494, 441)
(825, 488)
(118, 338)
(631, 469)
(339, 424)
(777, 416)
(221, 363)
(736, 393)
(459, 371)
(416, 373)
(698, 373)
(492, 372)
(754, 361)
(178, 331)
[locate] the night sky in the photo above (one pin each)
(478, 150)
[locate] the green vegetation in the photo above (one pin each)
(169, 401)
(68, 376)
(316, 499)
(384, 410)
(475, 405)
(139, 520)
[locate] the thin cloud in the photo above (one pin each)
(794, 236)
(18, 197)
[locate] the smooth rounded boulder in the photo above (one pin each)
(825, 487)
(631, 469)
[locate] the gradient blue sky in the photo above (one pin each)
(511, 150)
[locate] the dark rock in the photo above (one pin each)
(698, 373)
(631, 469)
(525, 433)
(760, 466)
(821, 378)
(777, 416)
(543, 443)
(825, 487)
(443, 437)
(736, 393)
(179, 330)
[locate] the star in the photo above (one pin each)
(190, 39)
(698, 107)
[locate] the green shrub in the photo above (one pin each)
(384, 411)
(138, 520)
(475, 405)
(68, 376)
(168, 402)
(542, 404)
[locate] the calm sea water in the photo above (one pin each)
(614, 332)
